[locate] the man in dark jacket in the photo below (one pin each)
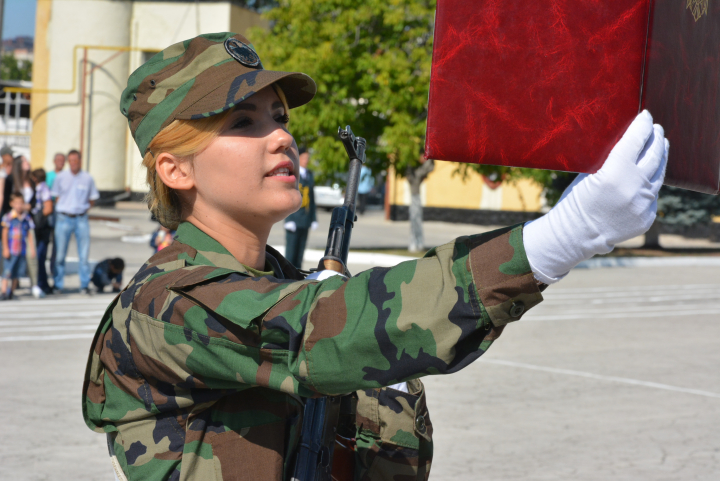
(298, 225)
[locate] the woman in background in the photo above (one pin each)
(42, 214)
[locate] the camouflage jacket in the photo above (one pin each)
(198, 369)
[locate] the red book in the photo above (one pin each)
(553, 84)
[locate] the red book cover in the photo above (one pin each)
(553, 84)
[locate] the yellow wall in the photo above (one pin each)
(241, 19)
(136, 27)
(41, 72)
(443, 189)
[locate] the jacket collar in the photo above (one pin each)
(211, 253)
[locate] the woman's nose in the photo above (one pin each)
(281, 139)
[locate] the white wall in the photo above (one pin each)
(155, 26)
(148, 26)
(94, 23)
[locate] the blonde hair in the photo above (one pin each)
(183, 139)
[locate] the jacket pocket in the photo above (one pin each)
(235, 296)
(394, 438)
(252, 454)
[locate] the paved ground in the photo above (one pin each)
(614, 376)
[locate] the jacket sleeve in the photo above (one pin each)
(220, 329)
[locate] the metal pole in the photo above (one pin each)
(2, 10)
(89, 122)
(82, 103)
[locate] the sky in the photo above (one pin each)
(19, 18)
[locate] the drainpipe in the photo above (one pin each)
(2, 11)
(89, 120)
(81, 147)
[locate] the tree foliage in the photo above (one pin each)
(257, 5)
(680, 209)
(371, 61)
(11, 69)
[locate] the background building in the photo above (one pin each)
(446, 196)
(84, 52)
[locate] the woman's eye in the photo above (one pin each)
(241, 123)
(283, 119)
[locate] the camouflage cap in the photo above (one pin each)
(200, 77)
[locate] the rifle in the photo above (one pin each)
(314, 459)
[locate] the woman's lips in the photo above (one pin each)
(283, 173)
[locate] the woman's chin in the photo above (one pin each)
(284, 207)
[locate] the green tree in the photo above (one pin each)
(371, 61)
(258, 5)
(11, 69)
(680, 209)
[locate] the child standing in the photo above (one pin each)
(17, 242)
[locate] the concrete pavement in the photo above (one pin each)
(614, 376)
(125, 231)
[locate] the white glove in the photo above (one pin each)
(314, 225)
(600, 210)
(290, 225)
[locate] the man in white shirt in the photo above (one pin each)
(75, 192)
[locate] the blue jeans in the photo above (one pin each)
(15, 267)
(42, 248)
(65, 226)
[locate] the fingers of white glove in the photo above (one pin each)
(659, 177)
(653, 154)
(633, 141)
(649, 218)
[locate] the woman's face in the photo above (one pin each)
(248, 173)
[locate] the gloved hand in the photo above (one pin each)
(600, 210)
(314, 225)
(290, 225)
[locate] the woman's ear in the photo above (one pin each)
(174, 172)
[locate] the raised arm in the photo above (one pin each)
(433, 315)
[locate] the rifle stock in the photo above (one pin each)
(314, 460)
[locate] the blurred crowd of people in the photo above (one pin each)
(40, 211)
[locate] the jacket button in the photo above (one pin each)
(420, 424)
(517, 308)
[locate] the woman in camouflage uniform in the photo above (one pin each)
(199, 367)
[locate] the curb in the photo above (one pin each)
(679, 261)
(358, 258)
(387, 260)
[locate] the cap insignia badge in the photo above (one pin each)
(242, 53)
